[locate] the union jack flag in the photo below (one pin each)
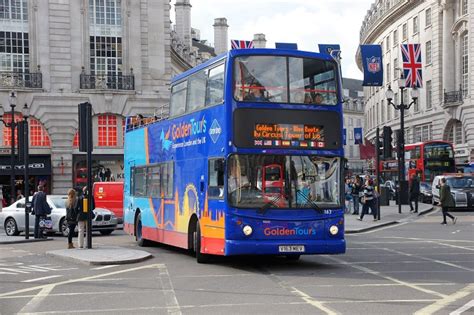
(412, 66)
(241, 44)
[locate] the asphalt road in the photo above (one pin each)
(419, 266)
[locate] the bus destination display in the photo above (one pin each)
(288, 135)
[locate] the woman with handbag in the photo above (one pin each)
(71, 215)
(368, 200)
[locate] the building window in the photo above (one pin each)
(463, 7)
(387, 43)
(428, 17)
(416, 106)
(455, 133)
(351, 121)
(464, 63)
(428, 52)
(105, 34)
(395, 68)
(14, 41)
(382, 111)
(38, 135)
(75, 142)
(359, 122)
(107, 131)
(395, 101)
(395, 38)
(404, 31)
(389, 77)
(429, 97)
(415, 25)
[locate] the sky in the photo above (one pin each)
(305, 22)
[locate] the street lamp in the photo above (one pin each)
(26, 114)
(12, 125)
(402, 183)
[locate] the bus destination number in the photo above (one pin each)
(288, 135)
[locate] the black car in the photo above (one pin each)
(426, 195)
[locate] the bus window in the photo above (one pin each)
(215, 86)
(196, 91)
(139, 181)
(178, 98)
(153, 181)
(312, 81)
(167, 179)
(260, 79)
(216, 179)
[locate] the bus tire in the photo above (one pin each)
(293, 257)
(200, 257)
(138, 232)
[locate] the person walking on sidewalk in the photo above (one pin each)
(41, 209)
(446, 200)
(348, 195)
(368, 200)
(71, 215)
(414, 192)
(356, 189)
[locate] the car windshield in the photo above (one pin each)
(59, 202)
(284, 181)
(461, 182)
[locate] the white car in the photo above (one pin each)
(12, 218)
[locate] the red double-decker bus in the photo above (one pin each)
(428, 159)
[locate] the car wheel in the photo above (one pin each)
(106, 232)
(63, 228)
(138, 232)
(11, 228)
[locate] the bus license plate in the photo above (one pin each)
(291, 248)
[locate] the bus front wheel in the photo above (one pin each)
(200, 257)
(138, 232)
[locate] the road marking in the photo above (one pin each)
(37, 300)
(68, 294)
(40, 287)
(104, 267)
(43, 278)
(168, 290)
(379, 274)
(445, 301)
(430, 239)
(463, 308)
(362, 285)
(381, 229)
(441, 262)
(216, 276)
(380, 301)
(308, 299)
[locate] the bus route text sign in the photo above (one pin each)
(288, 135)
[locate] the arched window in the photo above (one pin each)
(107, 130)
(7, 132)
(455, 133)
(465, 64)
(38, 135)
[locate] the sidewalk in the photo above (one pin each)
(102, 255)
(4, 239)
(388, 216)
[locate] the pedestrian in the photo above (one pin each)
(446, 200)
(368, 200)
(348, 195)
(414, 192)
(19, 195)
(41, 209)
(356, 189)
(71, 215)
(82, 217)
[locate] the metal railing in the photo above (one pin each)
(453, 96)
(10, 80)
(107, 82)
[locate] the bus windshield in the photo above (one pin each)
(438, 151)
(283, 181)
(279, 79)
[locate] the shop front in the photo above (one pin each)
(39, 174)
(105, 168)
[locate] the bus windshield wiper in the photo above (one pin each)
(312, 203)
(267, 205)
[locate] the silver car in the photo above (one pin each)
(12, 218)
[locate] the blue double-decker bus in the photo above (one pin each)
(249, 161)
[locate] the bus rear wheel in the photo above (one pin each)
(138, 232)
(200, 257)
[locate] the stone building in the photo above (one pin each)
(445, 108)
(119, 55)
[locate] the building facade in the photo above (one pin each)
(56, 54)
(445, 108)
(353, 125)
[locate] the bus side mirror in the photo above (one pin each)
(219, 165)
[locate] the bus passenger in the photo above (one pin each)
(256, 94)
(307, 98)
(318, 98)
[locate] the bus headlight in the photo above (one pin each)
(333, 230)
(247, 230)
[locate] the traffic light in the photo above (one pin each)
(85, 120)
(387, 142)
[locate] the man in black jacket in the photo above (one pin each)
(414, 192)
(41, 209)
